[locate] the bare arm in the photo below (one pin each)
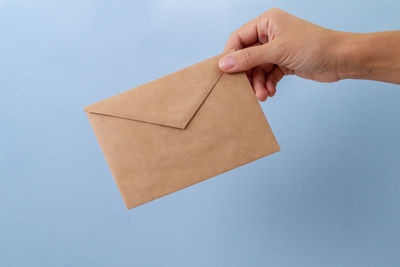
(370, 56)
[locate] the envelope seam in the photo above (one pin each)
(203, 100)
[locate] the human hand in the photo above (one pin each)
(276, 44)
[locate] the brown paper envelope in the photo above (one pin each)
(179, 130)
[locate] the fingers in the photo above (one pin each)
(266, 67)
(243, 37)
(248, 72)
(248, 58)
(258, 83)
(263, 83)
(272, 79)
(251, 32)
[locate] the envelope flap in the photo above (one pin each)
(171, 100)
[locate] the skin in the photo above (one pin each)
(277, 43)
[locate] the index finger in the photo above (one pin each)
(243, 37)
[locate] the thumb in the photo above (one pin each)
(247, 58)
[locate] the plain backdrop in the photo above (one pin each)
(330, 197)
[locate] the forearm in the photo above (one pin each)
(370, 56)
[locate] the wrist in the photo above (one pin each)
(370, 56)
(353, 58)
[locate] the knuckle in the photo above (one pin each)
(232, 35)
(274, 10)
(262, 29)
(246, 58)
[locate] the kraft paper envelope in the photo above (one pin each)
(179, 130)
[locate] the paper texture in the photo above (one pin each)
(179, 130)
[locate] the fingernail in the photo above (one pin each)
(227, 63)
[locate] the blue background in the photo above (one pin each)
(331, 197)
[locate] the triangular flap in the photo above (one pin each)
(171, 100)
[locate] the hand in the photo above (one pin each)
(277, 44)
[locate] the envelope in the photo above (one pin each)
(179, 130)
